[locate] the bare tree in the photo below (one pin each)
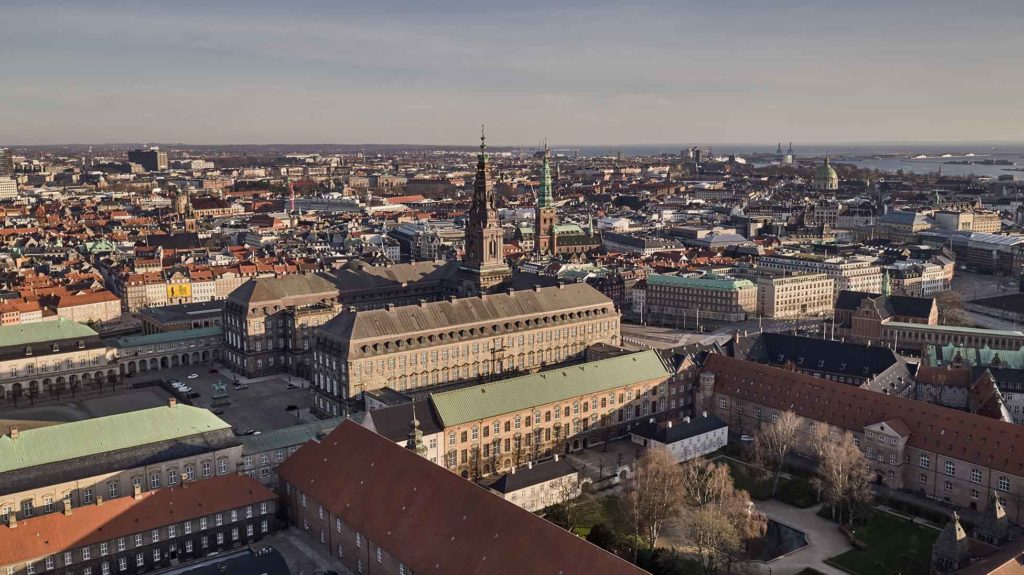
(712, 536)
(717, 518)
(653, 494)
(571, 501)
(773, 442)
(844, 477)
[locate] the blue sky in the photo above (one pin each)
(598, 72)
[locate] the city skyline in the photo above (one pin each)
(590, 74)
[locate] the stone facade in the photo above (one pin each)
(270, 323)
(412, 347)
(794, 296)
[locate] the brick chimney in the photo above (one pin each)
(67, 507)
(172, 402)
(12, 520)
(136, 491)
(99, 501)
(14, 433)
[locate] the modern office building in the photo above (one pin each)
(152, 159)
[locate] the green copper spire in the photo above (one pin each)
(886, 284)
(544, 197)
(414, 441)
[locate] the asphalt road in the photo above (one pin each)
(978, 286)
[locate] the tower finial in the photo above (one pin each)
(483, 138)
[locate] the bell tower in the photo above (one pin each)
(483, 265)
(546, 214)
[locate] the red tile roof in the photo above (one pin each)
(965, 436)
(431, 519)
(54, 533)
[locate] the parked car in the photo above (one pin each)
(185, 389)
(174, 381)
(193, 375)
(213, 370)
(241, 386)
(218, 412)
(194, 395)
(291, 386)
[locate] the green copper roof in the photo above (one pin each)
(91, 437)
(706, 282)
(979, 331)
(545, 199)
(939, 356)
(287, 436)
(44, 332)
(568, 229)
(524, 392)
(177, 335)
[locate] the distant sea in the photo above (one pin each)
(883, 157)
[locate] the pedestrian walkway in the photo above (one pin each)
(302, 557)
(824, 540)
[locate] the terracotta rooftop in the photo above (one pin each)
(968, 437)
(53, 533)
(431, 519)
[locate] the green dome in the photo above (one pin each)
(825, 177)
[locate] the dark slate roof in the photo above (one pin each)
(462, 312)
(528, 476)
(282, 288)
(904, 218)
(185, 311)
(887, 306)
(393, 422)
(671, 432)
(829, 356)
(174, 241)
(1011, 380)
(356, 277)
(850, 300)
(911, 306)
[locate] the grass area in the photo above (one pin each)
(795, 491)
(597, 510)
(894, 546)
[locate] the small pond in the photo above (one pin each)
(777, 541)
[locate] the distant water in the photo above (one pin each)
(883, 157)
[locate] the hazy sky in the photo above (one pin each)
(426, 71)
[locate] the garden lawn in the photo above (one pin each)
(599, 510)
(894, 546)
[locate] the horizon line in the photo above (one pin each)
(569, 145)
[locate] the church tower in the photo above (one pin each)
(546, 214)
(483, 266)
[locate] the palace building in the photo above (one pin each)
(460, 339)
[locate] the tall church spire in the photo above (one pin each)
(483, 265)
(545, 198)
(545, 213)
